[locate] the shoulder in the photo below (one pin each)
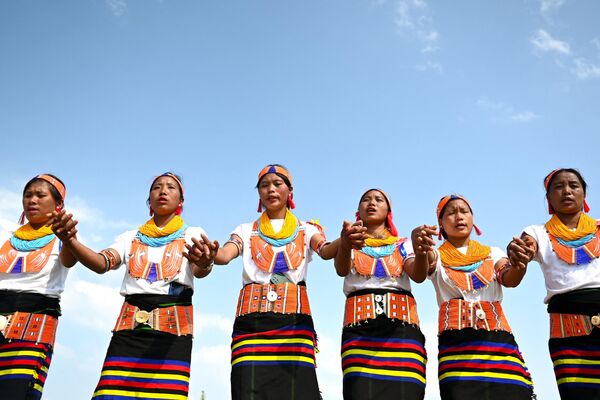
(535, 231)
(5, 235)
(194, 231)
(126, 236)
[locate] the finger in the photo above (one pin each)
(197, 243)
(346, 224)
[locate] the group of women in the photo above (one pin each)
(273, 342)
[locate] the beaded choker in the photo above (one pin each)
(575, 247)
(471, 271)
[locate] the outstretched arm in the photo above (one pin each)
(520, 252)
(420, 266)
(352, 236)
(63, 226)
(230, 250)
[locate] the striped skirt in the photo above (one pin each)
(273, 357)
(576, 363)
(145, 364)
(383, 359)
(480, 364)
(23, 369)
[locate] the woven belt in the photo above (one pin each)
(39, 328)
(369, 306)
(461, 314)
(284, 298)
(176, 320)
(569, 325)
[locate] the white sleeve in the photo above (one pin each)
(406, 249)
(121, 245)
(497, 254)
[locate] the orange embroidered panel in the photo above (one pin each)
(168, 268)
(577, 255)
(268, 261)
(34, 261)
(475, 280)
(392, 265)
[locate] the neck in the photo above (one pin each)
(277, 214)
(162, 220)
(377, 231)
(37, 225)
(570, 220)
(459, 241)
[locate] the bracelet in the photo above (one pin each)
(106, 263)
(235, 241)
(110, 258)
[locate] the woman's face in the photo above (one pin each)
(457, 219)
(565, 193)
(165, 195)
(38, 202)
(273, 192)
(373, 208)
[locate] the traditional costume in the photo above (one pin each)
(32, 279)
(150, 351)
(383, 349)
(478, 356)
(273, 342)
(571, 268)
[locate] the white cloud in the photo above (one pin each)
(91, 305)
(429, 66)
(412, 17)
(500, 111)
(206, 321)
(544, 42)
(585, 69)
(117, 7)
(550, 5)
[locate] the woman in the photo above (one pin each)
(478, 356)
(33, 270)
(567, 248)
(383, 349)
(273, 347)
(150, 350)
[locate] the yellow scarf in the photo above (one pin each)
(26, 232)
(151, 230)
(453, 258)
(585, 226)
(376, 242)
(289, 226)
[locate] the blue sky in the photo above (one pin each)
(418, 97)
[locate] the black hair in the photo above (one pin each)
(285, 179)
(53, 191)
(571, 170)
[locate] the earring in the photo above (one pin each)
(290, 201)
(179, 209)
(259, 209)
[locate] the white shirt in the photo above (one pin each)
(132, 285)
(559, 276)
(445, 289)
(49, 281)
(253, 274)
(354, 281)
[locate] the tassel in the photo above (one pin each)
(357, 216)
(22, 218)
(259, 206)
(179, 209)
(586, 208)
(290, 201)
(390, 224)
(151, 212)
(440, 236)
(477, 230)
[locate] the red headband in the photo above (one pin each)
(279, 170)
(390, 218)
(445, 200)
(586, 207)
(55, 183)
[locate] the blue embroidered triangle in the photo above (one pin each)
(152, 273)
(18, 268)
(581, 257)
(280, 264)
(477, 284)
(379, 269)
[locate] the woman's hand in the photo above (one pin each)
(521, 250)
(63, 225)
(422, 238)
(353, 235)
(202, 252)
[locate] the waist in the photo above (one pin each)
(39, 328)
(11, 301)
(580, 301)
(571, 325)
(461, 314)
(364, 305)
(284, 298)
(176, 319)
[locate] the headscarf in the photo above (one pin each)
(282, 173)
(586, 207)
(389, 221)
(440, 207)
